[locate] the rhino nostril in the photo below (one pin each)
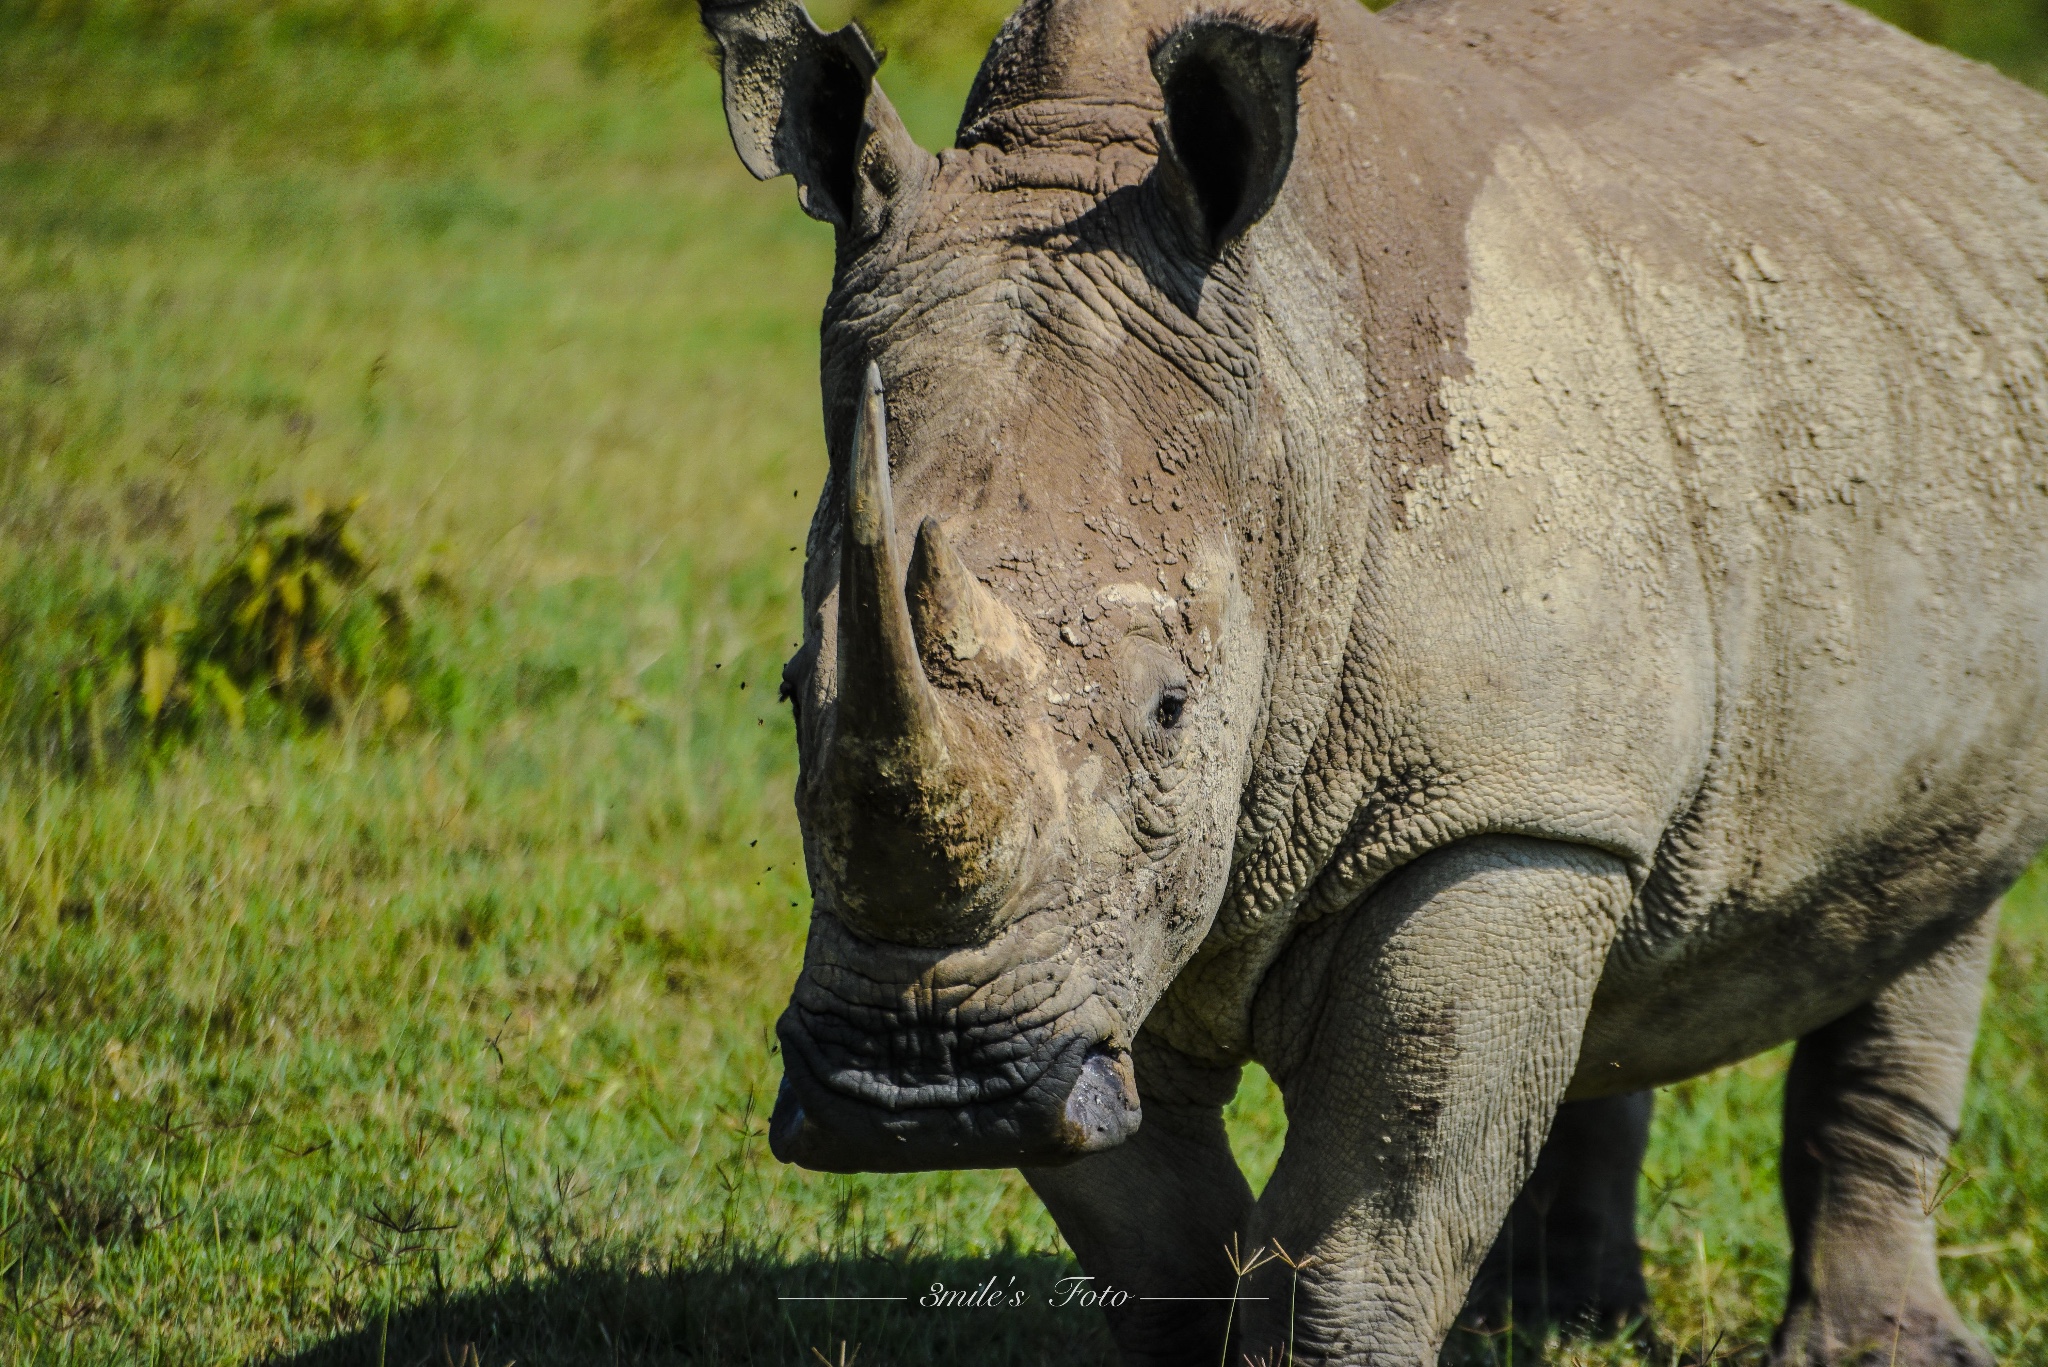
(791, 1136)
(1102, 1111)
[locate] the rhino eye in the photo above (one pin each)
(1171, 702)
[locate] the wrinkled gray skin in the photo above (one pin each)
(1486, 557)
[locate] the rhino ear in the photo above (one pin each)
(1228, 133)
(803, 102)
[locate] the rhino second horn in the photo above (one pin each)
(958, 621)
(946, 602)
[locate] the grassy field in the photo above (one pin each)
(434, 1026)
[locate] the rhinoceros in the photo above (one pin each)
(1486, 557)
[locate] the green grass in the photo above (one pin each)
(450, 1041)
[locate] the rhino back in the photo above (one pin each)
(1832, 255)
(1718, 541)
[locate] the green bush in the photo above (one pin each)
(293, 628)
(293, 613)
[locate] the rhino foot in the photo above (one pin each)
(1920, 1336)
(1872, 1103)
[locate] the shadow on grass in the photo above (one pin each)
(737, 1313)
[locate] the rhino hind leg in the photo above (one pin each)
(1566, 1258)
(1872, 1104)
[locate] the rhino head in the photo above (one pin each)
(1033, 661)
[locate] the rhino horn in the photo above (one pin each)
(884, 697)
(916, 821)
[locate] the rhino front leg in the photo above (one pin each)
(1423, 1048)
(1159, 1215)
(1871, 1106)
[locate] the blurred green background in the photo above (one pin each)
(408, 424)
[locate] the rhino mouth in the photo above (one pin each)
(908, 1078)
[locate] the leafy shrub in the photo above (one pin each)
(291, 612)
(293, 628)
